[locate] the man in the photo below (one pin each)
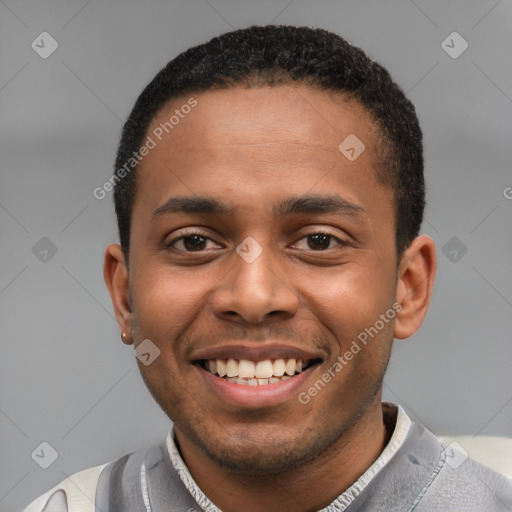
(269, 192)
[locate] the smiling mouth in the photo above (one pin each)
(257, 373)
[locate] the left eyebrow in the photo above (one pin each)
(317, 204)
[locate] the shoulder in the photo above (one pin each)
(459, 483)
(75, 494)
(92, 489)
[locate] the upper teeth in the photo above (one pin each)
(246, 369)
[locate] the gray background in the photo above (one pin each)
(65, 376)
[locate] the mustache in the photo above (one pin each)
(190, 337)
(268, 333)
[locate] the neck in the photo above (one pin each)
(309, 488)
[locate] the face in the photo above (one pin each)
(258, 247)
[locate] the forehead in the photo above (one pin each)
(315, 120)
(260, 142)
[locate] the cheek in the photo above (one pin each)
(350, 299)
(166, 304)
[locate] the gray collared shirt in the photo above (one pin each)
(414, 473)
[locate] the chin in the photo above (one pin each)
(260, 451)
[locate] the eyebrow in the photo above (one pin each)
(317, 204)
(194, 204)
(295, 204)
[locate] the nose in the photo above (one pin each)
(253, 292)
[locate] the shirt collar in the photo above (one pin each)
(340, 504)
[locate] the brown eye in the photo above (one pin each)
(191, 243)
(194, 242)
(319, 241)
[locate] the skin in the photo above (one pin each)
(250, 149)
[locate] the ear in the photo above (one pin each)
(115, 274)
(416, 276)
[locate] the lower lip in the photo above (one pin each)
(267, 395)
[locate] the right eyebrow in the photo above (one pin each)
(195, 204)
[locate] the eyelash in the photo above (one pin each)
(331, 237)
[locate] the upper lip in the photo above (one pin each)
(255, 352)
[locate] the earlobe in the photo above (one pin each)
(415, 285)
(115, 273)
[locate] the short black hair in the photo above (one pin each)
(274, 55)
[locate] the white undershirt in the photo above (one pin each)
(403, 423)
